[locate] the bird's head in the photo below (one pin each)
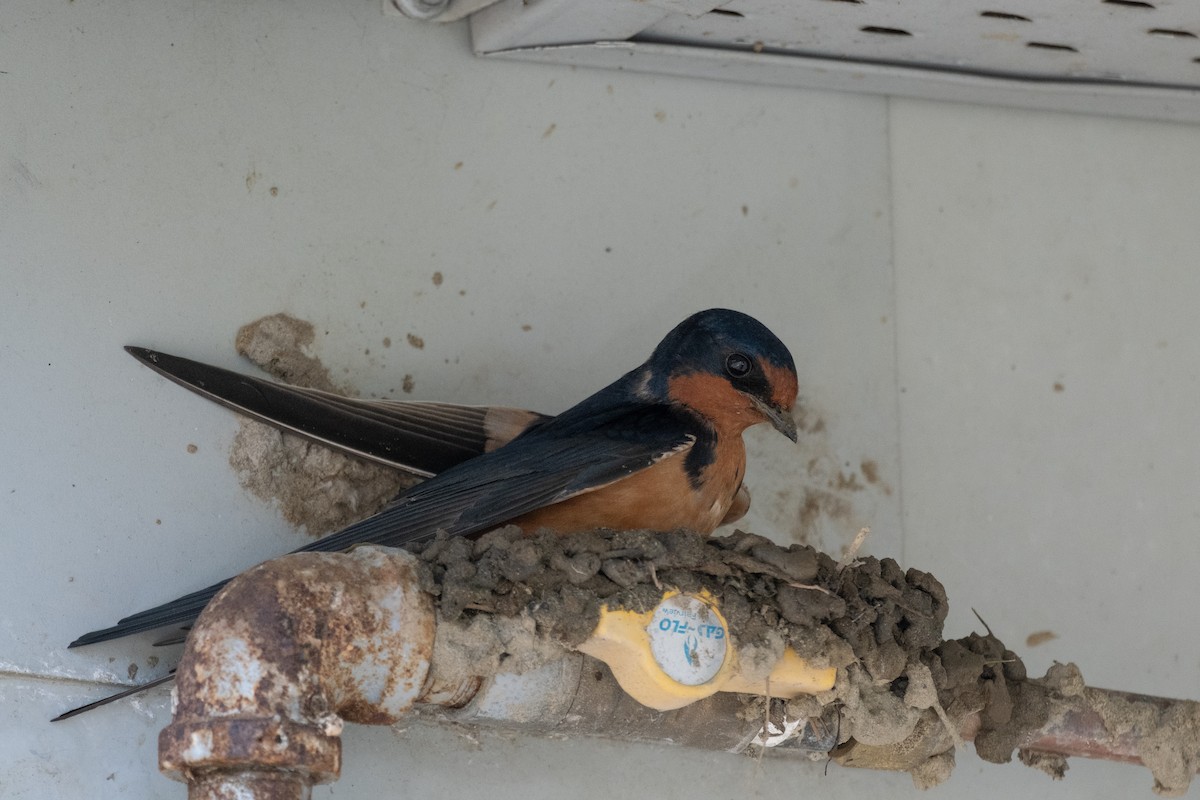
(728, 367)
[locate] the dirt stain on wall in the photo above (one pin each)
(313, 487)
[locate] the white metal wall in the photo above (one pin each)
(170, 172)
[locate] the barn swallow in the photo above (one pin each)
(416, 437)
(660, 448)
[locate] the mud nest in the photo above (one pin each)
(514, 601)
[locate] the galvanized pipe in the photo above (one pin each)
(294, 646)
(290, 649)
(281, 656)
(578, 695)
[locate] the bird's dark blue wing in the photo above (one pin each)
(421, 438)
(551, 463)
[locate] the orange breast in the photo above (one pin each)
(659, 498)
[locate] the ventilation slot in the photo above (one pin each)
(1004, 15)
(1168, 33)
(1064, 48)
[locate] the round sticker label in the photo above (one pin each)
(688, 639)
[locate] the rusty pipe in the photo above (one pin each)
(1050, 720)
(281, 656)
(293, 647)
(290, 649)
(1080, 720)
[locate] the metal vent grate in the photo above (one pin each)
(1120, 41)
(1137, 58)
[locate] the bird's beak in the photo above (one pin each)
(780, 418)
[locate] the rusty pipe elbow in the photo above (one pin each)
(285, 653)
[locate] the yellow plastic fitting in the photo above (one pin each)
(681, 651)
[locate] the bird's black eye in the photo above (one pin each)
(737, 365)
